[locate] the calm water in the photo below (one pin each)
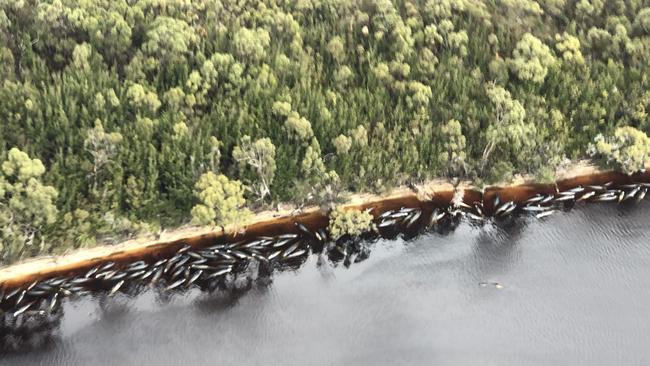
(576, 290)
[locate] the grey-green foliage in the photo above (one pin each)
(642, 21)
(349, 221)
(312, 165)
(259, 156)
(453, 149)
(569, 48)
(129, 103)
(251, 44)
(531, 59)
(169, 38)
(336, 48)
(102, 147)
(221, 201)
(27, 206)
(142, 100)
(342, 144)
(298, 128)
(628, 149)
(509, 129)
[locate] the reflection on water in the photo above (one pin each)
(574, 292)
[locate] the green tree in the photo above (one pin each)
(508, 129)
(349, 222)
(76, 229)
(312, 166)
(169, 38)
(531, 59)
(222, 201)
(336, 49)
(453, 154)
(569, 47)
(102, 147)
(27, 207)
(298, 128)
(142, 99)
(251, 44)
(642, 21)
(342, 144)
(628, 149)
(260, 157)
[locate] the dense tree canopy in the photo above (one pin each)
(145, 113)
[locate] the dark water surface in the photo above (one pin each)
(576, 291)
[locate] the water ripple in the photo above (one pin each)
(572, 290)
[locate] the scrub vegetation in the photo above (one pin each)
(126, 116)
(350, 222)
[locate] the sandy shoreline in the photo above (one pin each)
(44, 266)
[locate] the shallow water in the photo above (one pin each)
(575, 291)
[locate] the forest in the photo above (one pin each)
(120, 117)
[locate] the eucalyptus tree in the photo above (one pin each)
(531, 59)
(221, 201)
(169, 39)
(102, 147)
(259, 156)
(453, 153)
(509, 132)
(27, 207)
(349, 221)
(628, 149)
